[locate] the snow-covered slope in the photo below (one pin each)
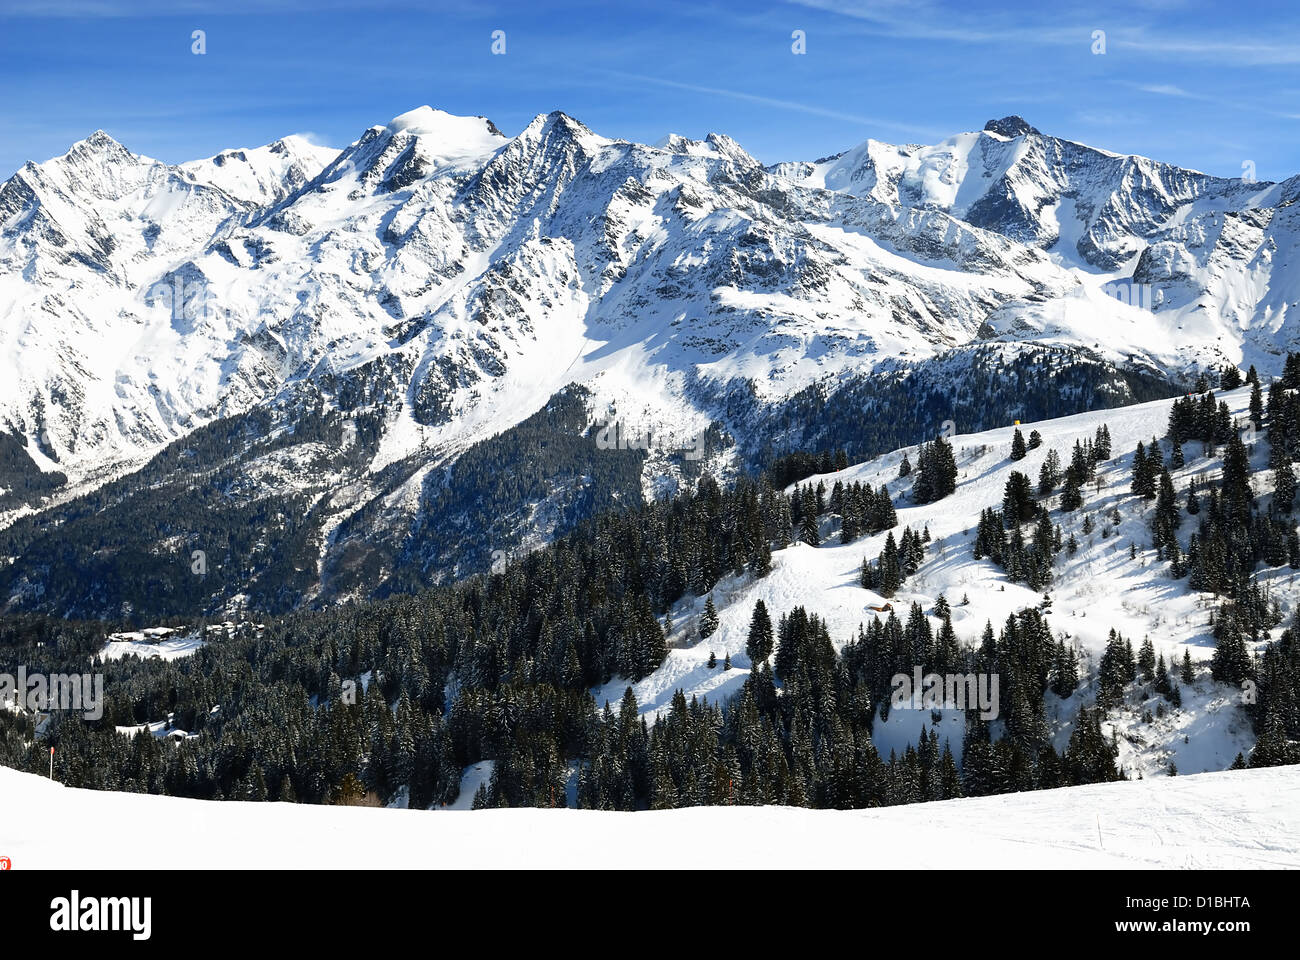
(1098, 589)
(1248, 818)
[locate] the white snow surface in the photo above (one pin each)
(1241, 819)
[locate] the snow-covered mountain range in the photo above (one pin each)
(436, 283)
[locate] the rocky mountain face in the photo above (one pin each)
(331, 372)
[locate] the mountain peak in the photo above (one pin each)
(426, 121)
(1010, 127)
(294, 143)
(97, 142)
(557, 119)
(713, 145)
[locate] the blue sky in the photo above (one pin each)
(1208, 85)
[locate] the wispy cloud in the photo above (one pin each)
(1245, 51)
(929, 20)
(1167, 90)
(932, 21)
(1250, 106)
(778, 103)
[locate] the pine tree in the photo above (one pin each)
(1065, 670)
(1291, 372)
(936, 472)
(1147, 659)
(1161, 677)
(884, 516)
(1143, 484)
(759, 644)
(1071, 494)
(1164, 523)
(1238, 498)
(1231, 661)
(808, 531)
(868, 576)
(1049, 475)
(708, 619)
(1284, 487)
(891, 569)
(1113, 671)
(1018, 500)
(1101, 445)
(1155, 457)
(949, 782)
(848, 527)
(1018, 450)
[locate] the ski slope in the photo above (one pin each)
(1098, 589)
(1240, 819)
